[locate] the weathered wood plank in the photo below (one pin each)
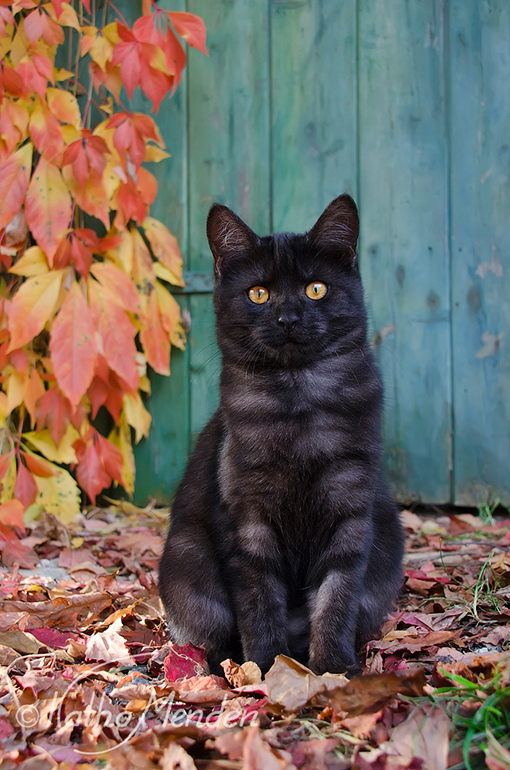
(161, 458)
(480, 156)
(229, 158)
(313, 97)
(404, 221)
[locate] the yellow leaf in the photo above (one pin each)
(165, 248)
(62, 74)
(3, 408)
(42, 441)
(164, 272)
(101, 51)
(121, 438)
(122, 254)
(33, 304)
(16, 385)
(71, 134)
(137, 415)
(145, 385)
(64, 106)
(59, 494)
(67, 18)
(110, 32)
(33, 262)
(154, 154)
(8, 482)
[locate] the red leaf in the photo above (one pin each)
(50, 637)
(111, 457)
(73, 346)
(54, 411)
(129, 203)
(81, 255)
(183, 662)
(97, 393)
(26, 489)
(91, 475)
(191, 28)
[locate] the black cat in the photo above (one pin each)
(283, 537)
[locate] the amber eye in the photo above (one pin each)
(316, 290)
(258, 294)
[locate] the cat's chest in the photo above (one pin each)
(294, 416)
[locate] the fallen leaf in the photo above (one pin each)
(292, 685)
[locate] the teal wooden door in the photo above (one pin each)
(406, 105)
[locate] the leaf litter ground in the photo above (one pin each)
(90, 680)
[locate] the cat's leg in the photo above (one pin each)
(197, 605)
(337, 583)
(260, 594)
(383, 576)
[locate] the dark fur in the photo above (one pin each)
(284, 538)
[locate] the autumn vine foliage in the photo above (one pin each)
(85, 305)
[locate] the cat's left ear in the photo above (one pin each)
(229, 237)
(338, 225)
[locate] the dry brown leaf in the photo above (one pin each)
(109, 645)
(62, 611)
(372, 691)
(292, 685)
(424, 734)
(248, 745)
(20, 641)
(174, 756)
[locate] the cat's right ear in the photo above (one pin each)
(228, 237)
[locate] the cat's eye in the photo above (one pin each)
(258, 294)
(316, 290)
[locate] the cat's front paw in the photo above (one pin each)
(335, 665)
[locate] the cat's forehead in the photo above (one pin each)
(288, 255)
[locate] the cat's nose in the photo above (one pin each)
(288, 321)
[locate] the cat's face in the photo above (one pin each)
(287, 299)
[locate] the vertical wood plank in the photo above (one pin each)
(161, 458)
(229, 158)
(313, 83)
(404, 221)
(480, 156)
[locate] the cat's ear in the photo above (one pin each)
(228, 236)
(338, 225)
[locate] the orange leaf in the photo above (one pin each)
(191, 28)
(92, 197)
(117, 285)
(54, 411)
(117, 334)
(33, 304)
(33, 392)
(11, 514)
(154, 339)
(164, 247)
(73, 346)
(48, 207)
(46, 132)
(38, 465)
(64, 106)
(26, 489)
(14, 179)
(5, 461)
